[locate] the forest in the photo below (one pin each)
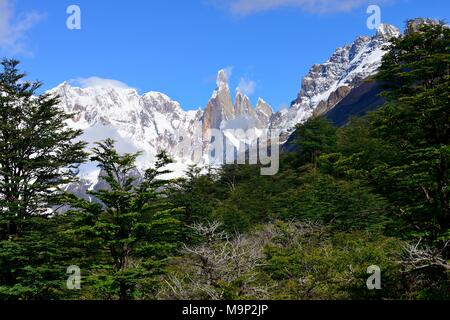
(375, 192)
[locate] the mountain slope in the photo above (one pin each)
(358, 102)
(328, 83)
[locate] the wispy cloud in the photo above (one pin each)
(13, 29)
(228, 71)
(247, 7)
(247, 86)
(93, 82)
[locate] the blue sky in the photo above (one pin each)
(177, 46)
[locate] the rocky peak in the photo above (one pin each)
(414, 25)
(161, 102)
(387, 31)
(219, 107)
(222, 79)
(328, 83)
(264, 108)
(242, 105)
(350, 63)
(264, 112)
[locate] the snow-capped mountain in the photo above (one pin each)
(328, 83)
(152, 122)
(148, 123)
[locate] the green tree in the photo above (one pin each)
(198, 193)
(308, 262)
(314, 138)
(416, 121)
(38, 156)
(248, 200)
(343, 204)
(37, 151)
(131, 227)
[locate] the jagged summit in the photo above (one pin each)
(328, 83)
(219, 107)
(242, 106)
(221, 113)
(388, 31)
(414, 25)
(222, 79)
(264, 113)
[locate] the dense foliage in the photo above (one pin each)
(38, 156)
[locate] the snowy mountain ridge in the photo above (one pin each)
(347, 68)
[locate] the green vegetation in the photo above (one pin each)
(129, 231)
(375, 192)
(37, 157)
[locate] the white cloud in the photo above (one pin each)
(284, 107)
(13, 31)
(93, 82)
(246, 86)
(228, 71)
(247, 7)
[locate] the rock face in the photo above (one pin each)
(358, 102)
(221, 114)
(242, 106)
(220, 107)
(335, 97)
(264, 113)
